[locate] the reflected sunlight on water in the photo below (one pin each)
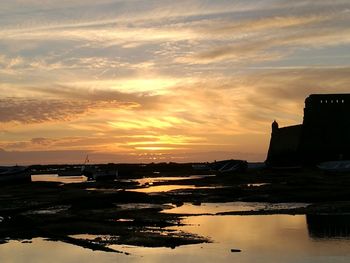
(277, 238)
(150, 180)
(58, 179)
(162, 188)
(213, 208)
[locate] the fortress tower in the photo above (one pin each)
(323, 136)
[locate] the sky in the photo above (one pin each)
(162, 81)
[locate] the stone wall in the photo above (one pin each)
(284, 146)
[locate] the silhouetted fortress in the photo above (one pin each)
(323, 136)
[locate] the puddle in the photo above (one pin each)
(138, 206)
(152, 180)
(124, 220)
(162, 188)
(168, 188)
(58, 179)
(213, 208)
(272, 239)
(93, 237)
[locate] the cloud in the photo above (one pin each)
(195, 76)
(248, 102)
(280, 93)
(99, 95)
(257, 25)
(270, 46)
(41, 141)
(26, 110)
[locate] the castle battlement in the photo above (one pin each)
(324, 134)
(326, 108)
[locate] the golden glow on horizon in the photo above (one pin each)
(157, 85)
(150, 122)
(155, 148)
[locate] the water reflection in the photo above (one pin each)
(151, 180)
(328, 226)
(213, 208)
(58, 179)
(166, 188)
(272, 239)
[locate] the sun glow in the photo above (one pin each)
(150, 122)
(166, 139)
(155, 148)
(152, 84)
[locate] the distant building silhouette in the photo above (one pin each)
(323, 136)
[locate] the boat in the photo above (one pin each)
(70, 172)
(105, 175)
(226, 166)
(14, 174)
(97, 174)
(335, 166)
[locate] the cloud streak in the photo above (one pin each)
(47, 110)
(161, 79)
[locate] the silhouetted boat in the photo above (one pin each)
(105, 175)
(70, 172)
(15, 174)
(229, 166)
(95, 173)
(335, 166)
(222, 166)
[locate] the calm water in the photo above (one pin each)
(278, 238)
(147, 181)
(150, 188)
(58, 179)
(167, 188)
(213, 208)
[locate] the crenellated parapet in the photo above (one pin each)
(323, 136)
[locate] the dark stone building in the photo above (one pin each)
(323, 136)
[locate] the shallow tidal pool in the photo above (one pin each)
(274, 238)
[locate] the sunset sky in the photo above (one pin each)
(154, 81)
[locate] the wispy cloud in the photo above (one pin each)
(162, 79)
(46, 110)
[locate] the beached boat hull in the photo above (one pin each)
(69, 172)
(14, 174)
(99, 175)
